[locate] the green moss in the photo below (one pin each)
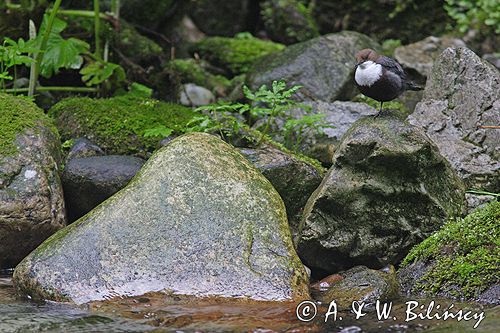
(235, 54)
(134, 45)
(16, 115)
(402, 111)
(191, 71)
(466, 252)
(118, 124)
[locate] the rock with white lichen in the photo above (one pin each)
(31, 198)
(198, 219)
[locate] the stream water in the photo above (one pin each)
(159, 313)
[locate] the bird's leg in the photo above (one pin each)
(380, 110)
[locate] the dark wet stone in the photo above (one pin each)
(294, 179)
(387, 190)
(323, 66)
(84, 148)
(88, 181)
(462, 94)
(198, 219)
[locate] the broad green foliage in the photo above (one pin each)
(475, 14)
(100, 71)
(161, 131)
(466, 254)
(140, 90)
(295, 129)
(60, 52)
(12, 54)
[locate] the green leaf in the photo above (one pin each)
(60, 52)
(160, 131)
(5, 76)
(99, 71)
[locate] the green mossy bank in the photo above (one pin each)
(460, 260)
(118, 124)
(18, 114)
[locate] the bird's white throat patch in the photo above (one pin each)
(368, 73)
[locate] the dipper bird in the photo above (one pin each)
(380, 77)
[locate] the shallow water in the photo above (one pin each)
(162, 313)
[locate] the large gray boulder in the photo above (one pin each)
(387, 190)
(323, 66)
(31, 198)
(198, 219)
(88, 181)
(462, 94)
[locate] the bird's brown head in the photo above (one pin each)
(365, 55)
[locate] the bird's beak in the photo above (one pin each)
(358, 63)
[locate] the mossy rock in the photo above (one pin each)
(288, 21)
(461, 260)
(31, 198)
(17, 115)
(136, 47)
(235, 55)
(118, 124)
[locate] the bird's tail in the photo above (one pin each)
(413, 86)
